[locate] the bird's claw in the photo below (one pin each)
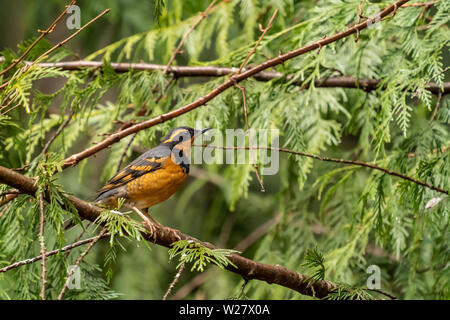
(175, 233)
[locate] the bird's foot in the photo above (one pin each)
(152, 227)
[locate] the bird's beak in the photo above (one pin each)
(199, 132)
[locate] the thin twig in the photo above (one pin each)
(439, 97)
(42, 244)
(203, 15)
(12, 108)
(360, 17)
(175, 280)
(241, 293)
(59, 44)
(80, 258)
(50, 253)
(247, 129)
(254, 236)
(9, 191)
(57, 133)
(351, 162)
(80, 235)
(124, 153)
(8, 198)
(43, 33)
(253, 51)
(244, 99)
(384, 293)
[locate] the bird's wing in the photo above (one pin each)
(148, 162)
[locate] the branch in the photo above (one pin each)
(215, 71)
(241, 246)
(246, 268)
(438, 101)
(244, 99)
(77, 263)
(74, 159)
(344, 161)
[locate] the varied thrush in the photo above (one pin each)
(152, 177)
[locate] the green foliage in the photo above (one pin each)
(356, 216)
(344, 292)
(191, 251)
(119, 224)
(315, 261)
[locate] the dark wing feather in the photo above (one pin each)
(150, 161)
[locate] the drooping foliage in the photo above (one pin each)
(334, 220)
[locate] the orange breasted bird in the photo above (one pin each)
(152, 177)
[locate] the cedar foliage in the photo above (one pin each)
(335, 220)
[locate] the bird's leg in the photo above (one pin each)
(173, 231)
(151, 223)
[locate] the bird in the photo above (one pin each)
(153, 177)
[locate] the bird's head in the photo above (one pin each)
(180, 141)
(182, 136)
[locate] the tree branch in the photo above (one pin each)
(50, 253)
(215, 71)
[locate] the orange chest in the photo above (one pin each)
(157, 186)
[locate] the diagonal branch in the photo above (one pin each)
(74, 159)
(50, 253)
(80, 258)
(174, 282)
(253, 51)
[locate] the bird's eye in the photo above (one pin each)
(180, 139)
